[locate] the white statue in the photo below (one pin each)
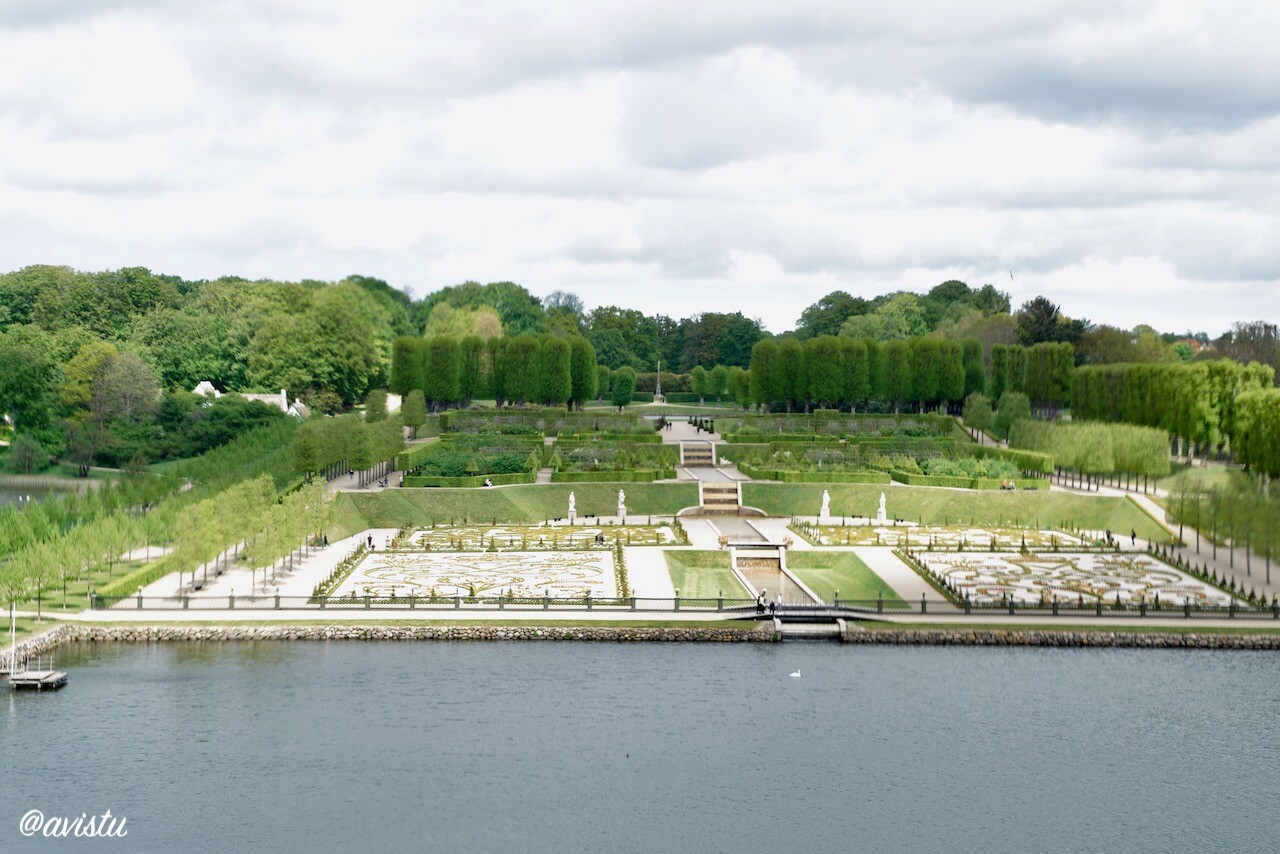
(622, 504)
(881, 515)
(573, 507)
(825, 513)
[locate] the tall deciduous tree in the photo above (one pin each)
(582, 369)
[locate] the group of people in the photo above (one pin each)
(1133, 538)
(763, 603)
(1008, 484)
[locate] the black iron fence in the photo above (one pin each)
(743, 607)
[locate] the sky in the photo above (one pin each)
(1121, 158)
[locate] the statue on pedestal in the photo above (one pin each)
(824, 514)
(881, 515)
(622, 505)
(573, 507)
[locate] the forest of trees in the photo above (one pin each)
(99, 366)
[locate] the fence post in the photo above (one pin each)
(457, 602)
(1055, 607)
(1011, 606)
(184, 601)
(1275, 610)
(968, 604)
(922, 605)
(231, 602)
(139, 600)
(720, 601)
(1231, 609)
(94, 604)
(368, 602)
(633, 602)
(880, 602)
(1142, 608)
(412, 603)
(1098, 606)
(546, 601)
(1186, 609)
(277, 601)
(676, 601)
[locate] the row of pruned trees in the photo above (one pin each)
(1257, 422)
(1242, 512)
(1092, 450)
(251, 523)
(549, 370)
(1196, 403)
(829, 371)
(335, 446)
(1043, 372)
(73, 554)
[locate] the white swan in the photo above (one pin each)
(795, 675)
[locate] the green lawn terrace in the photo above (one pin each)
(545, 537)
(1039, 579)
(1038, 510)
(863, 532)
(524, 504)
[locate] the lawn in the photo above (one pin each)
(77, 599)
(1198, 478)
(827, 572)
(393, 508)
(704, 575)
(936, 506)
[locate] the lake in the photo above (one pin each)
(437, 746)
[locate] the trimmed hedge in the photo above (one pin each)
(414, 482)
(964, 482)
(625, 476)
(127, 585)
(568, 438)
(814, 476)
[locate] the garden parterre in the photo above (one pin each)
(540, 537)
(934, 536)
(1034, 579)
(558, 575)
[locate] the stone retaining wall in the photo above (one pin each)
(55, 636)
(1100, 638)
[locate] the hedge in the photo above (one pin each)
(609, 437)
(625, 476)
(755, 438)
(964, 482)
(127, 585)
(814, 476)
(414, 482)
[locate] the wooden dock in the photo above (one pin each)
(40, 680)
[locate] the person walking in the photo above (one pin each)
(1133, 537)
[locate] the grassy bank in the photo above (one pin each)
(392, 508)
(931, 505)
(704, 575)
(827, 572)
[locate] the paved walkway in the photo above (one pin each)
(702, 534)
(647, 573)
(905, 581)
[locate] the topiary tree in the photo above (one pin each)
(624, 387)
(1013, 406)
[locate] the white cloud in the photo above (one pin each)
(1118, 157)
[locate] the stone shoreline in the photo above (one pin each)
(65, 633)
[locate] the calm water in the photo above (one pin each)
(564, 747)
(13, 495)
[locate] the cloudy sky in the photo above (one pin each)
(1121, 157)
